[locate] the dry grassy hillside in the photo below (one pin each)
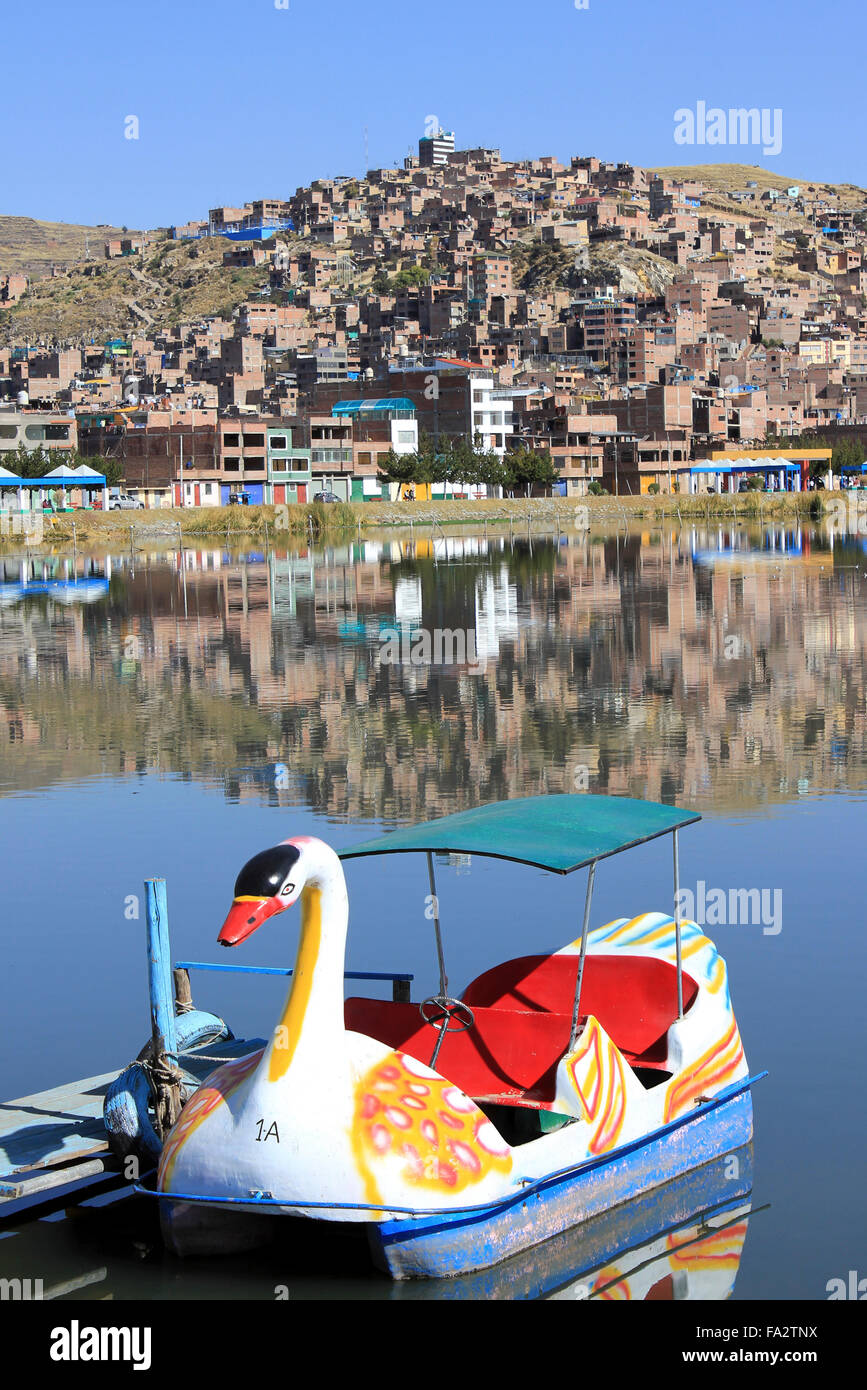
(31, 248)
(725, 177)
(172, 281)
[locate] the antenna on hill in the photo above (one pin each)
(366, 151)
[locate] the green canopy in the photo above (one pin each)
(561, 833)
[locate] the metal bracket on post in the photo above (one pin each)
(573, 1036)
(677, 927)
(442, 998)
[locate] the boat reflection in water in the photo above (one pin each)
(681, 1241)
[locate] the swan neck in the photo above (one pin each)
(312, 1017)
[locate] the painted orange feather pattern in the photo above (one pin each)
(715, 1066)
(589, 1088)
(609, 1129)
(439, 1138)
(717, 1250)
(213, 1092)
(610, 1285)
(602, 1075)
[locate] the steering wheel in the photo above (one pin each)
(450, 1009)
(440, 1011)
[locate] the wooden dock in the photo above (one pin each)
(54, 1145)
(56, 1139)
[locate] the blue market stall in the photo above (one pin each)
(778, 474)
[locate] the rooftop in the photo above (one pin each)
(381, 405)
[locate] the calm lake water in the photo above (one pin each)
(172, 713)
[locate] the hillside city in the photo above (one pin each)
(616, 326)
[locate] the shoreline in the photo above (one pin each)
(349, 520)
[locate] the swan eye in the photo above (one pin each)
(287, 889)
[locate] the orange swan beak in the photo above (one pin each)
(245, 916)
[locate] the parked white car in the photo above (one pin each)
(124, 502)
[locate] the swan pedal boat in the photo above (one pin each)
(461, 1132)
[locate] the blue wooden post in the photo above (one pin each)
(160, 968)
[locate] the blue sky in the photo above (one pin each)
(245, 99)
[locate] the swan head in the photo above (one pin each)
(268, 883)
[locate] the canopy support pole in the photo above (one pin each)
(677, 927)
(444, 984)
(163, 1074)
(573, 1037)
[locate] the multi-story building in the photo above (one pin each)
(380, 425)
(435, 149)
(605, 321)
(289, 470)
(451, 396)
(324, 365)
(242, 457)
(36, 429)
(162, 451)
(331, 454)
(491, 275)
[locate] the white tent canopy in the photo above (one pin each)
(64, 477)
(64, 473)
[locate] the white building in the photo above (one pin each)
(435, 149)
(491, 413)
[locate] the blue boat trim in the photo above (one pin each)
(395, 1231)
(278, 970)
(530, 1188)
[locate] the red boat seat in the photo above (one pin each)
(507, 1056)
(633, 997)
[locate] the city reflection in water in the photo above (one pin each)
(403, 678)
